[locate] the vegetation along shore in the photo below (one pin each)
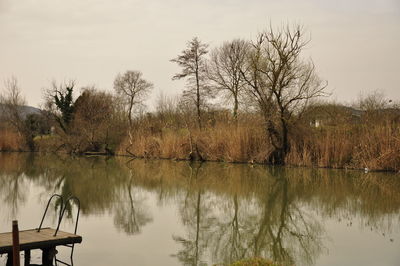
(256, 101)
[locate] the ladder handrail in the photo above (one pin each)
(61, 215)
(47, 207)
(76, 227)
(63, 211)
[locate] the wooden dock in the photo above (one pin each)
(44, 240)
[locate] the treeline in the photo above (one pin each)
(255, 101)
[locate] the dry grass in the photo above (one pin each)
(372, 144)
(11, 141)
(222, 142)
(379, 147)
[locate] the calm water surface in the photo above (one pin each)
(155, 212)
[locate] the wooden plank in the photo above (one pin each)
(31, 239)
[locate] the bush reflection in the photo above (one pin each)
(228, 211)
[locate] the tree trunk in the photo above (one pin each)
(198, 100)
(197, 227)
(130, 113)
(285, 140)
(29, 139)
(279, 139)
(235, 109)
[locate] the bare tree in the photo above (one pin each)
(224, 70)
(373, 101)
(11, 102)
(193, 66)
(11, 107)
(167, 110)
(133, 88)
(281, 83)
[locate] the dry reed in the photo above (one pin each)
(11, 141)
(365, 144)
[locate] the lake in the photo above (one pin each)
(160, 212)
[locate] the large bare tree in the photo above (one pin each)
(193, 63)
(133, 88)
(281, 83)
(224, 70)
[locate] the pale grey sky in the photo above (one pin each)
(355, 43)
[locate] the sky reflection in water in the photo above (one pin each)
(159, 212)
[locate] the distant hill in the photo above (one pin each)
(25, 110)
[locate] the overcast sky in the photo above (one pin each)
(355, 43)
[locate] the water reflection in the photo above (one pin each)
(272, 224)
(196, 210)
(131, 212)
(228, 212)
(13, 183)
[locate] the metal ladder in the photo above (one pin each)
(61, 215)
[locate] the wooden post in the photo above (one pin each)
(15, 236)
(48, 256)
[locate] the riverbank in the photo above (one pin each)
(343, 147)
(371, 143)
(322, 148)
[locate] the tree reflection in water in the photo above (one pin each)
(14, 181)
(130, 212)
(271, 226)
(228, 212)
(197, 215)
